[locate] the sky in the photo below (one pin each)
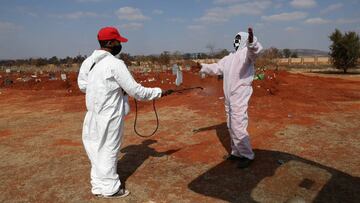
(46, 28)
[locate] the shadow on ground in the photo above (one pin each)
(275, 177)
(135, 156)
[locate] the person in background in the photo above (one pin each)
(237, 70)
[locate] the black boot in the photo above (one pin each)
(231, 157)
(244, 162)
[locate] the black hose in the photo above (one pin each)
(157, 121)
(157, 118)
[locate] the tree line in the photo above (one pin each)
(344, 51)
(43, 61)
(162, 59)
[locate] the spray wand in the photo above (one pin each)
(185, 89)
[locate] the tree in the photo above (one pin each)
(126, 58)
(41, 62)
(344, 50)
(164, 58)
(54, 60)
(294, 55)
(79, 59)
(202, 56)
(68, 60)
(176, 55)
(287, 53)
(221, 53)
(267, 58)
(186, 56)
(152, 59)
(272, 53)
(211, 48)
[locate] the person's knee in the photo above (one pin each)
(239, 123)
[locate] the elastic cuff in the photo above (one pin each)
(251, 45)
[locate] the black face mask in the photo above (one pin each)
(116, 50)
(237, 42)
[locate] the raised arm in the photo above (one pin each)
(254, 47)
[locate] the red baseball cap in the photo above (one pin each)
(109, 33)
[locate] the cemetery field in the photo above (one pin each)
(304, 128)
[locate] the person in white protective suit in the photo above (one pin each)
(238, 72)
(106, 81)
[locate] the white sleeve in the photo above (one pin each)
(214, 68)
(254, 49)
(83, 76)
(123, 76)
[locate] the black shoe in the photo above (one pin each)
(232, 158)
(121, 193)
(244, 162)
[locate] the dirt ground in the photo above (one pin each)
(304, 128)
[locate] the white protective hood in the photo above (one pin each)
(95, 57)
(242, 42)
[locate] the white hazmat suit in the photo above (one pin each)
(106, 107)
(238, 72)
